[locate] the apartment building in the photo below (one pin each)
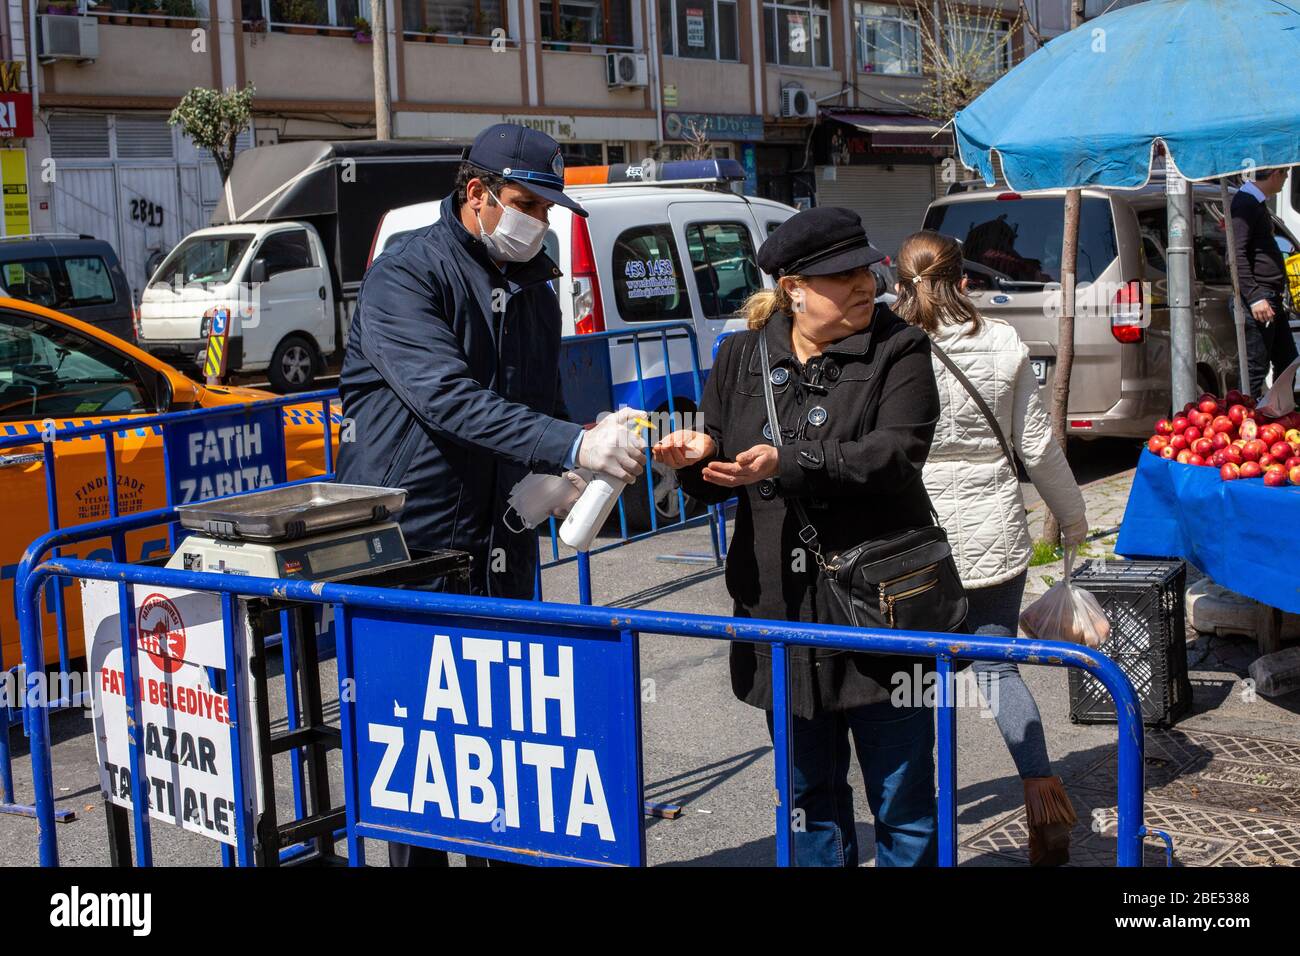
(815, 97)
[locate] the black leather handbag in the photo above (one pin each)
(907, 581)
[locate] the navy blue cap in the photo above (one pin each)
(525, 157)
(817, 242)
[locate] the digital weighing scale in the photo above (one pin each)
(317, 531)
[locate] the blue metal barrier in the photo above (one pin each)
(578, 624)
(110, 431)
(649, 393)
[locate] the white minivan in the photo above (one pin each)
(661, 243)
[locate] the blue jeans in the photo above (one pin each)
(995, 612)
(895, 751)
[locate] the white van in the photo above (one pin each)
(285, 254)
(649, 252)
(214, 269)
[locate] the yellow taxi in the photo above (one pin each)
(57, 372)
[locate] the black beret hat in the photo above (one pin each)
(817, 242)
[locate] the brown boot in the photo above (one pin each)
(1050, 816)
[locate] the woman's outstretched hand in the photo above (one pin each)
(750, 466)
(683, 448)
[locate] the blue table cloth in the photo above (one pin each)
(1243, 535)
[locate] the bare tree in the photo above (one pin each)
(963, 53)
(697, 141)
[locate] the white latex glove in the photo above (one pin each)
(1075, 535)
(613, 448)
(577, 481)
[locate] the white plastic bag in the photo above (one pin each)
(1066, 613)
(1280, 399)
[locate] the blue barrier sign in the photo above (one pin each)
(210, 456)
(507, 743)
(586, 378)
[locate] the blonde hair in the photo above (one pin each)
(765, 303)
(929, 284)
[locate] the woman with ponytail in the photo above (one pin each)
(972, 481)
(855, 403)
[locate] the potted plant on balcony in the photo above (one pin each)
(115, 14)
(61, 8)
(148, 9)
(179, 13)
(256, 29)
(479, 36)
(361, 30)
(298, 16)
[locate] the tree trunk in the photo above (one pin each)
(383, 102)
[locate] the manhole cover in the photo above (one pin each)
(1225, 800)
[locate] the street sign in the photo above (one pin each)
(511, 741)
(214, 365)
(211, 456)
(185, 718)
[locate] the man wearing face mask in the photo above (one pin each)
(451, 373)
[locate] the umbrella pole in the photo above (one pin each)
(1238, 312)
(1178, 256)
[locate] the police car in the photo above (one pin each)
(666, 242)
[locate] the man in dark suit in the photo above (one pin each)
(1262, 273)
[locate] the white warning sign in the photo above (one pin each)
(185, 714)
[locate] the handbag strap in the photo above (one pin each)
(979, 400)
(807, 532)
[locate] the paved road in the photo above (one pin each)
(711, 754)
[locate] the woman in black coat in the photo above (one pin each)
(857, 405)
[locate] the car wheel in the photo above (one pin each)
(293, 366)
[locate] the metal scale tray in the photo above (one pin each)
(292, 512)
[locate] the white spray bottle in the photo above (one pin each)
(595, 503)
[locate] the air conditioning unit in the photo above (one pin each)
(68, 38)
(626, 69)
(797, 103)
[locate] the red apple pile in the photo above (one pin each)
(1227, 434)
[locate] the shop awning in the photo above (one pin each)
(896, 129)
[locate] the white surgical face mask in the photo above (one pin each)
(518, 236)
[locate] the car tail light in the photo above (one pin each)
(135, 322)
(1127, 314)
(1006, 196)
(588, 311)
(374, 240)
(1081, 423)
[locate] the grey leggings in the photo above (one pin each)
(995, 611)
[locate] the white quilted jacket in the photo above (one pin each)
(972, 485)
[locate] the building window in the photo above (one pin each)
(984, 44)
(320, 13)
(699, 29)
(603, 22)
(889, 39)
(476, 18)
(798, 33)
(583, 154)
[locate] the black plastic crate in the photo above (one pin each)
(1143, 601)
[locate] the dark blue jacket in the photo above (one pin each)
(452, 401)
